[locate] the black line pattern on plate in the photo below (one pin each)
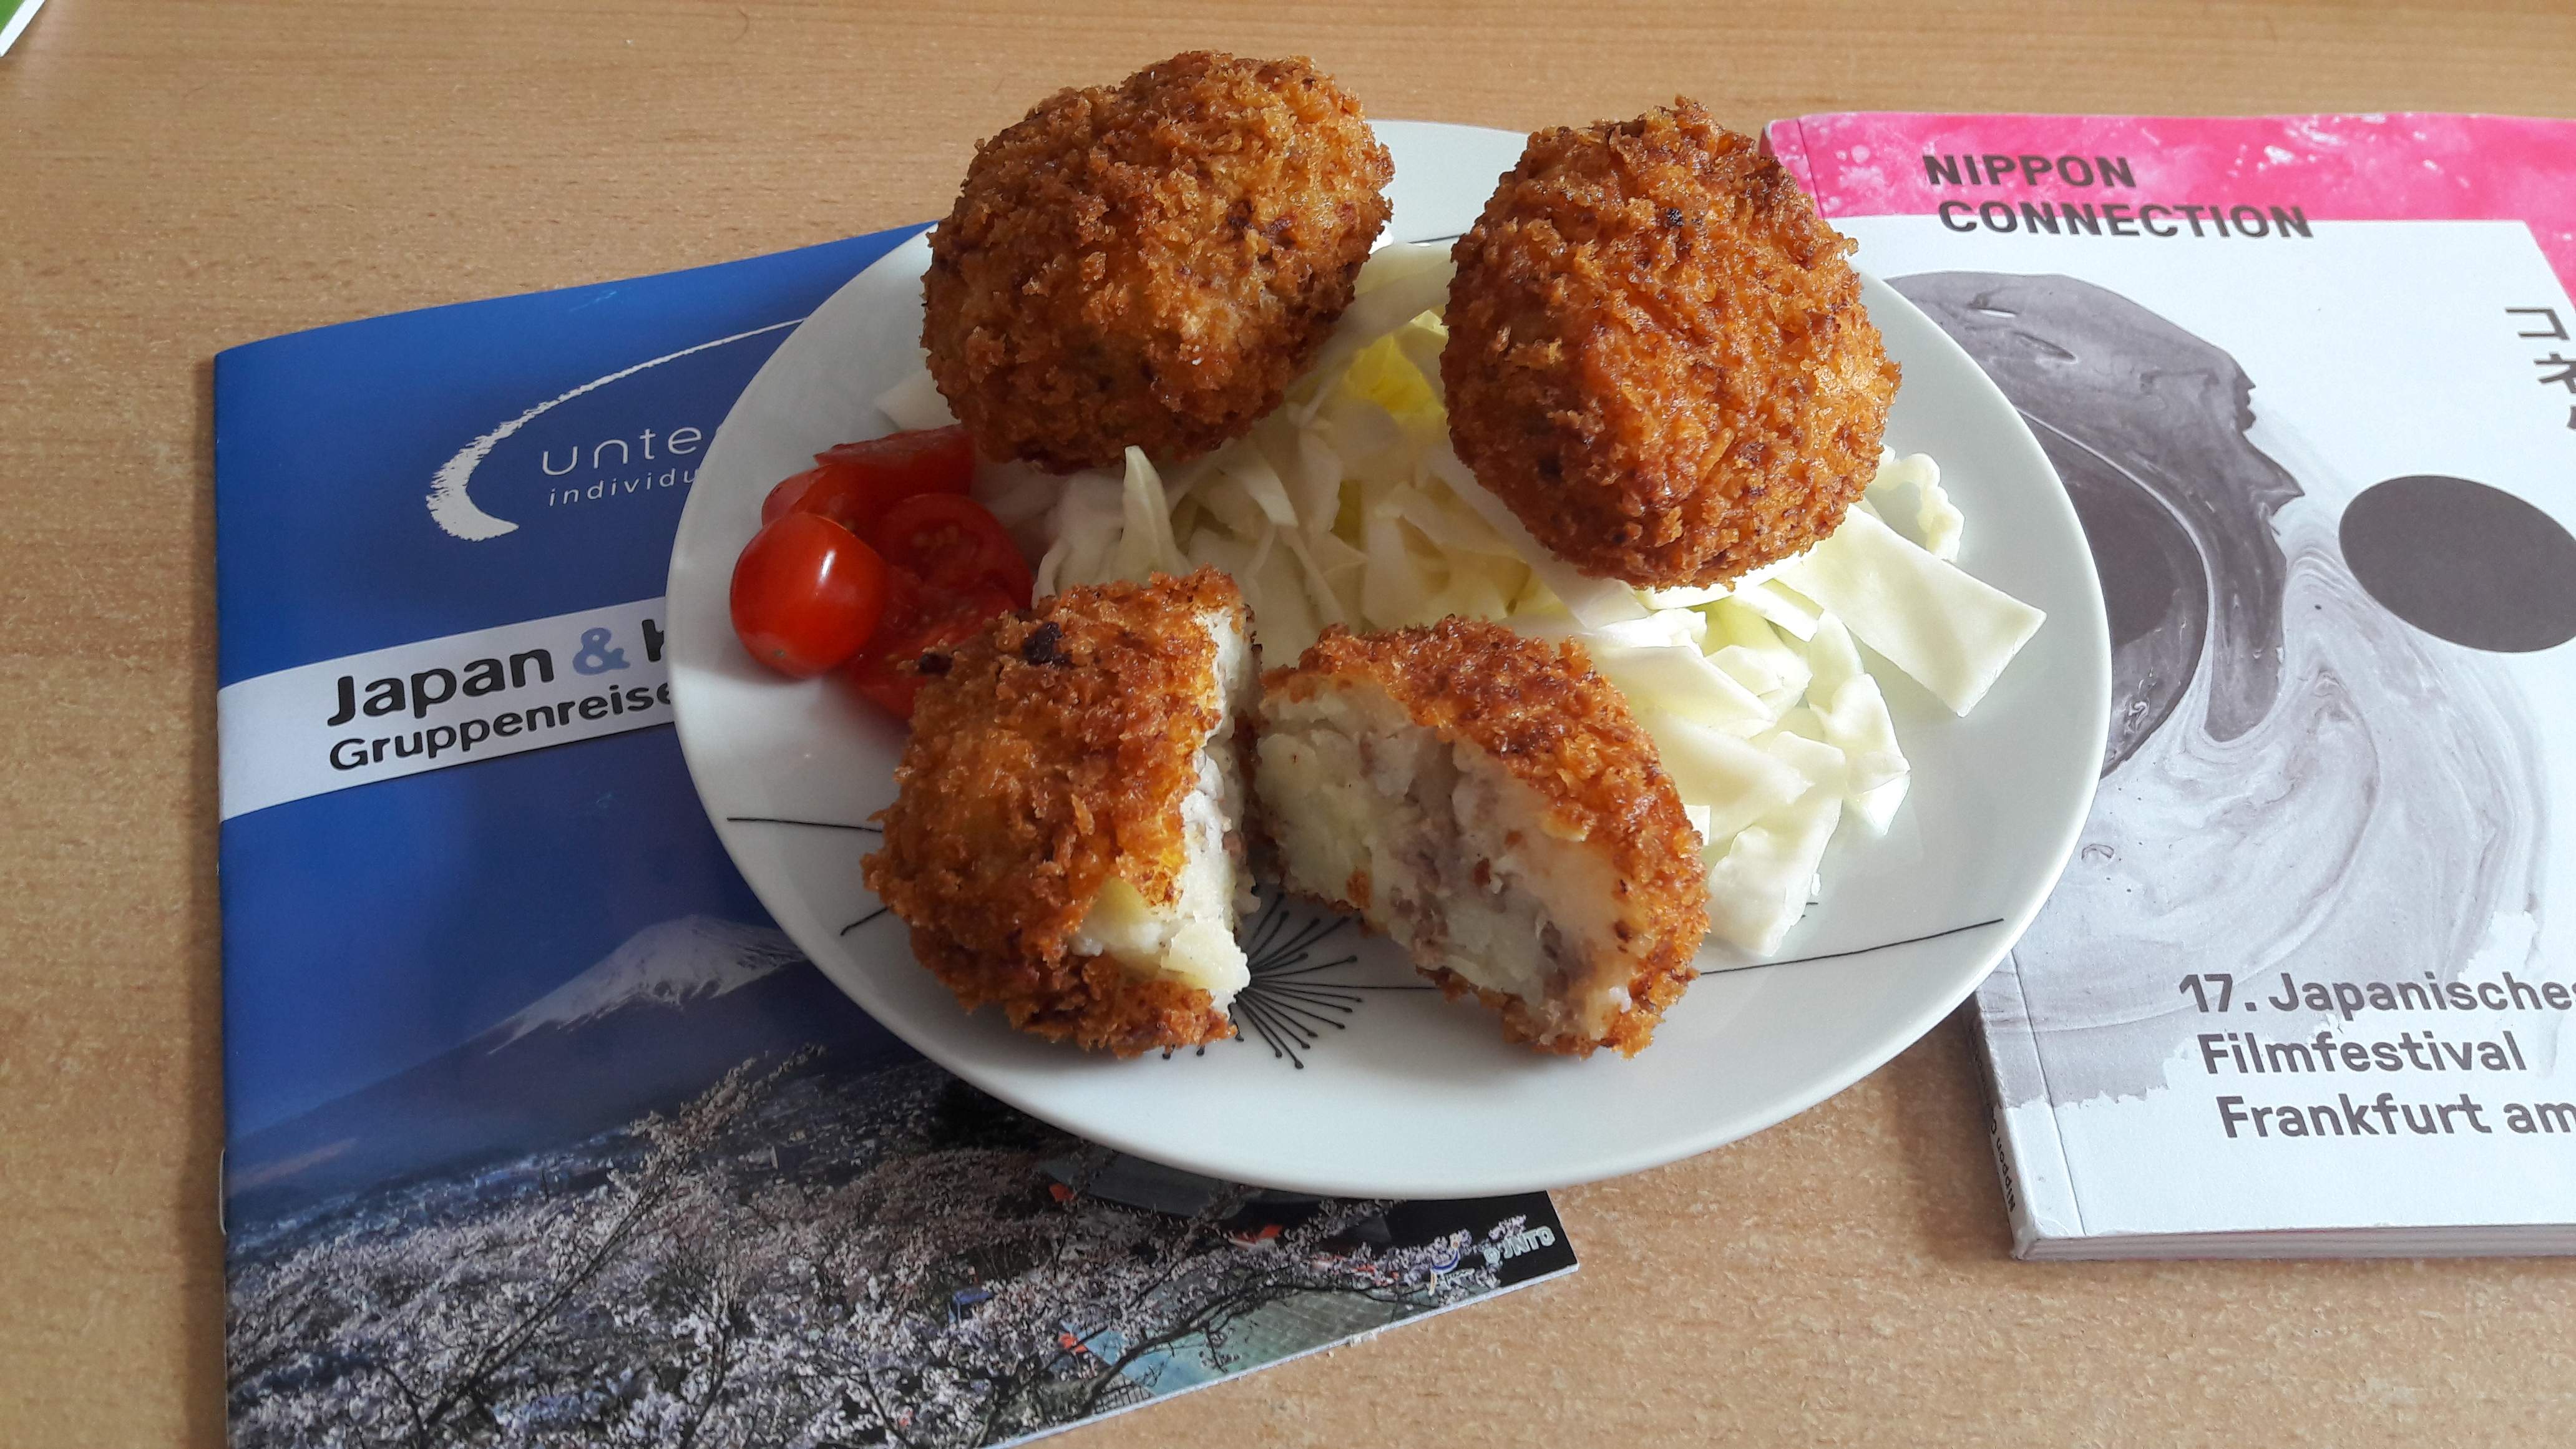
(1290, 1002)
(816, 824)
(1865, 950)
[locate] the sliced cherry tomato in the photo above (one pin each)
(921, 621)
(953, 544)
(853, 483)
(789, 495)
(806, 594)
(925, 460)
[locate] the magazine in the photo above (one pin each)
(537, 1129)
(14, 15)
(2310, 381)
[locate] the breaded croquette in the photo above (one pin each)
(1151, 263)
(1658, 355)
(1064, 843)
(1486, 800)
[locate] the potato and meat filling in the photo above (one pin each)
(1486, 800)
(1064, 843)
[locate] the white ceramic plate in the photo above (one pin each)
(1349, 1077)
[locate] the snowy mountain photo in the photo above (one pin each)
(591, 1054)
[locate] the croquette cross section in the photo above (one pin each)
(1658, 356)
(1064, 842)
(1488, 802)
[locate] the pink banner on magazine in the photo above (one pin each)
(2393, 167)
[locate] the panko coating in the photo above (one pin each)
(1488, 801)
(1658, 355)
(1151, 264)
(1064, 841)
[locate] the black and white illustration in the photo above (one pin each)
(2294, 771)
(2299, 973)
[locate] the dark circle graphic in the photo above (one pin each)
(2464, 562)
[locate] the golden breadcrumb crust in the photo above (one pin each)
(1053, 754)
(1629, 1033)
(1151, 264)
(1658, 355)
(1565, 732)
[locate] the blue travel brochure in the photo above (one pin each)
(537, 1128)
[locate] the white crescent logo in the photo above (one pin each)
(449, 503)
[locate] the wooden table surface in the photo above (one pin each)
(179, 177)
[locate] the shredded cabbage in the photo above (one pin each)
(1348, 506)
(915, 402)
(1949, 631)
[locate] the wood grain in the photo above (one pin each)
(178, 177)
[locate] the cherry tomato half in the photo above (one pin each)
(924, 460)
(789, 496)
(952, 544)
(920, 621)
(853, 483)
(807, 593)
